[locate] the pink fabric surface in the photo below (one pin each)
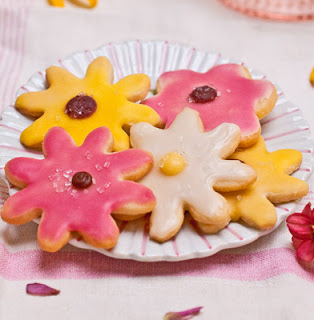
(91, 265)
(72, 263)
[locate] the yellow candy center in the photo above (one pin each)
(171, 163)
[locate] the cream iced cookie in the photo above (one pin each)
(82, 105)
(273, 185)
(188, 164)
(76, 189)
(225, 93)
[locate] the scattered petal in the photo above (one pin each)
(182, 315)
(39, 289)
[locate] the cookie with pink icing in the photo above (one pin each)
(225, 93)
(76, 189)
(188, 165)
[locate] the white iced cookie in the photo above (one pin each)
(188, 164)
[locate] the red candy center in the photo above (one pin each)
(82, 180)
(203, 94)
(80, 107)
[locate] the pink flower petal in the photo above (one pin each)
(296, 242)
(182, 315)
(300, 231)
(307, 210)
(299, 218)
(305, 251)
(39, 289)
(312, 215)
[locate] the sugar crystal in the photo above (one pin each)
(107, 185)
(88, 155)
(98, 167)
(100, 190)
(106, 164)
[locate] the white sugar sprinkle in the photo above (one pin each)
(106, 164)
(60, 189)
(88, 155)
(98, 167)
(107, 185)
(100, 190)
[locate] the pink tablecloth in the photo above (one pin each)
(260, 281)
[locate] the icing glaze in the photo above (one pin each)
(115, 104)
(65, 209)
(273, 184)
(192, 188)
(172, 163)
(239, 100)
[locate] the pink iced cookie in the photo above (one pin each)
(75, 189)
(226, 93)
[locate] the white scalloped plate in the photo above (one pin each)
(283, 128)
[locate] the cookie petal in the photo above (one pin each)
(20, 208)
(100, 71)
(134, 87)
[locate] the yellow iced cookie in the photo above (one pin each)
(273, 185)
(82, 105)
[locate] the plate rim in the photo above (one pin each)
(191, 255)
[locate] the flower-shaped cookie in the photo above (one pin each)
(75, 189)
(273, 185)
(82, 105)
(226, 93)
(188, 163)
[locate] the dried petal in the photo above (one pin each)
(182, 315)
(39, 289)
(305, 251)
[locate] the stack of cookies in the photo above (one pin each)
(194, 146)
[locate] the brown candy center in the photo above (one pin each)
(82, 180)
(203, 94)
(80, 107)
